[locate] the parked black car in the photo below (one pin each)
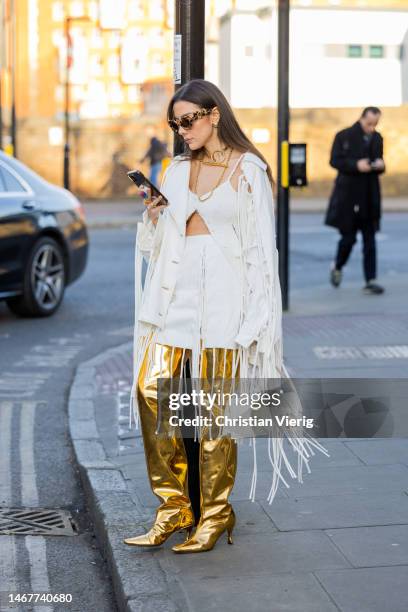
(43, 240)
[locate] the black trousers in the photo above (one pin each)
(193, 455)
(347, 241)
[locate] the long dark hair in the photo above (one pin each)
(207, 95)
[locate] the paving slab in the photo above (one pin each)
(332, 511)
(351, 479)
(373, 546)
(376, 452)
(251, 518)
(260, 554)
(284, 593)
(242, 486)
(367, 590)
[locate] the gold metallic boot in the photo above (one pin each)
(218, 466)
(218, 463)
(166, 523)
(165, 455)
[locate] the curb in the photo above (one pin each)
(114, 223)
(131, 222)
(138, 580)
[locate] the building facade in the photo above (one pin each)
(344, 54)
(339, 57)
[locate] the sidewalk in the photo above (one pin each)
(337, 542)
(104, 214)
(127, 212)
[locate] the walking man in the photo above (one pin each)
(355, 203)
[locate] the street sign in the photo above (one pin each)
(177, 59)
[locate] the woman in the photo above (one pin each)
(212, 297)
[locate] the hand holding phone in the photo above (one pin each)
(154, 207)
(154, 196)
(377, 164)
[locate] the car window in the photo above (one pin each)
(9, 182)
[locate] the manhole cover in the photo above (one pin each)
(36, 521)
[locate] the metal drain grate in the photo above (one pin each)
(36, 521)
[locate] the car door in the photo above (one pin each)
(18, 227)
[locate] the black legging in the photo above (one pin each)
(346, 243)
(193, 453)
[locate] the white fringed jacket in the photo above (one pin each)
(254, 255)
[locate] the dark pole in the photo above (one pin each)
(283, 137)
(1, 110)
(2, 38)
(66, 111)
(190, 25)
(13, 131)
(189, 64)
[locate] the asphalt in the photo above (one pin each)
(339, 541)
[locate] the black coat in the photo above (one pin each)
(354, 191)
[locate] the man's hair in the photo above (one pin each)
(371, 109)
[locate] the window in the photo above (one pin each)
(112, 15)
(376, 51)
(135, 10)
(96, 40)
(58, 11)
(76, 9)
(113, 65)
(93, 10)
(249, 51)
(133, 94)
(114, 39)
(355, 51)
(96, 65)
(115, 93)
(156, 37)
(156, 10)
(9, 181)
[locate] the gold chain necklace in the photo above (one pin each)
(217, 158)
(202, 198)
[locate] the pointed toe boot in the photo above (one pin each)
(165, 525)
(218, 462)
(165, 453)
(218, 465)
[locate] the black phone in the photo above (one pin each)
(139, 179)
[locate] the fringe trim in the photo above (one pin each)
(142, 343)
(264, 362)
(268, 363)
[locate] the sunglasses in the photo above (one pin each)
(187, 121)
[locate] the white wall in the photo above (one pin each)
(321, 74)
(320, 80)
(251, 78)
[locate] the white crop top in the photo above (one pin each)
(221, 206)
(220, 212)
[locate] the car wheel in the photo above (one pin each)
(44, 281)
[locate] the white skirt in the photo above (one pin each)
(206, 301)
